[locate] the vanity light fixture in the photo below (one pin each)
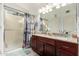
(50, 10)
(44, 12)
(40, 10)
(48, 7)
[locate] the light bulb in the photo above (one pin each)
(46, 11)
(40, 10)
(50, 10)
(43, 12)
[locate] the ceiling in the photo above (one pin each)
(30, 7)
(34, 6)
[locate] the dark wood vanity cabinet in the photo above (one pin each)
(37, 44)
(49, 50)
(66, 48)
(33, 42)
(43, 46)
(52, 47)
(61, 52)
(39, 47)
(49, 47)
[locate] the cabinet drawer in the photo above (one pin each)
(49, 41)
(67, 46)
(62, 52)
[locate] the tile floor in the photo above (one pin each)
(21, 52)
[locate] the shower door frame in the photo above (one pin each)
(13, 10)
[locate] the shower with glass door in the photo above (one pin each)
(14, 29)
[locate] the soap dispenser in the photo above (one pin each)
(66, 34)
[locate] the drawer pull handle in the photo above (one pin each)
(65, 47)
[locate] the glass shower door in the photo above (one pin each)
(14, 27)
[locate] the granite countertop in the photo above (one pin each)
(72, 40)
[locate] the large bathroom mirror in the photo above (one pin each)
(61, 20)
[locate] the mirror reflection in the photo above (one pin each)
(58, 20)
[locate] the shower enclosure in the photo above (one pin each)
(14, 29)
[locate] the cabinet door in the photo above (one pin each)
(49, 50)
(39, 47)
(66, 48)
(62, 52)
(33, 42)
